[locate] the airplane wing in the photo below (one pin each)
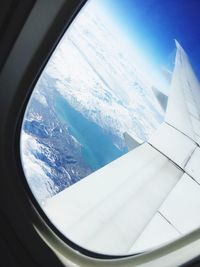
(161, 97)
(150, 195)
(131, 142)
(183, 109)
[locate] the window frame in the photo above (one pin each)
(24, 211)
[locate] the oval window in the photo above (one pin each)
(110, 138)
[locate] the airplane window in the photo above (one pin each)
(110, 137)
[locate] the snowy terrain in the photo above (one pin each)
(92, 72)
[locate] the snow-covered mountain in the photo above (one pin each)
(93, 76)
(97, 77)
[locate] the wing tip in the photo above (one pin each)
(178, 45)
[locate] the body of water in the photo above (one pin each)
(97, 145)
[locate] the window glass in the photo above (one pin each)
(110, 128)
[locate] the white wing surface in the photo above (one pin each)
(183, 109)
(149, 196)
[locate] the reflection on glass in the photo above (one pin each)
(102, 94)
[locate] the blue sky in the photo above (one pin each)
(154, 24)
